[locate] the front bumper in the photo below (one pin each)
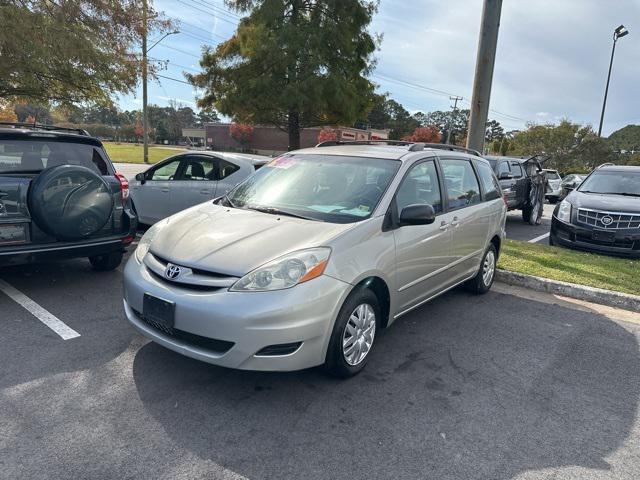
(250, 321)
(627, 242)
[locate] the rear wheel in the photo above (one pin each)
(483, 280)
(353, 334)
(106, 262)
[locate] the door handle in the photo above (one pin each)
(455, 222)
(165, 190)
(204, 192)
(444, 225)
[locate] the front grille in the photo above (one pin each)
(197, 271)
(612, 220)
(212, 344)
(189, 286)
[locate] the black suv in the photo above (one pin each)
(602, 214)
(524, 184)
(60, 197)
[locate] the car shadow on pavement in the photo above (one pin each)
(466, 387)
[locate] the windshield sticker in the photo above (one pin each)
(281, 162)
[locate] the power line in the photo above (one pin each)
(215, 15)
(174, 79)
(217, 8)
(179, 50)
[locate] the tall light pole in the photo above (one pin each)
(145, 72)
(619, 32)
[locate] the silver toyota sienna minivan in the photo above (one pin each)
(308, 259)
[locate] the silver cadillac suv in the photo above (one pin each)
(305, 261)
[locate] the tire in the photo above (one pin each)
(106, 262)
(361, 302)
(553, 200)
(481, 283)
(551, 242)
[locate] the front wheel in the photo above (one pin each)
(483, 280)
(106, 262)
(353, 334)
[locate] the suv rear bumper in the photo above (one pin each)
(627, 242)
(44, 253)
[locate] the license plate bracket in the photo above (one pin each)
(159, 311)
(13, 234)
(603, 236)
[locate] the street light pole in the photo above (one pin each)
(619, 32)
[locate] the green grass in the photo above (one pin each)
(593, 270)
(132, 152)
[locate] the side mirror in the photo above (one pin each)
(505, 176)
(418, 214)
(141, 178)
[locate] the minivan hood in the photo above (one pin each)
(234, 241)
(608, 203)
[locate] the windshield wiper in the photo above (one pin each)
(276, 211)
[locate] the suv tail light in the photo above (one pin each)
(124, 186)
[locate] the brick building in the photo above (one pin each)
(268, 140)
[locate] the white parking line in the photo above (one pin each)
(541, 237)
(46, 317)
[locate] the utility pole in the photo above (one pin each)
(145, 125)
(484, 73)
(453, 116)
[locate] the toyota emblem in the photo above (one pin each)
(172, 271)
(606, 220)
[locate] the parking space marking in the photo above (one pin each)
(46, 317)
(541, 237)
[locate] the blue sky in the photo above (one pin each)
(551, 63)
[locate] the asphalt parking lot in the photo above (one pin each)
(497, 386)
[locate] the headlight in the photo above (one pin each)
(145, 242)
(564, 212)
(285, 272)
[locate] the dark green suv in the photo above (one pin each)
(60, 197)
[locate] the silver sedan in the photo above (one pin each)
(305, 261)
(188, 179)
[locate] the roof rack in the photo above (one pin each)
(608, 164)
(40, 126)
(413, 146)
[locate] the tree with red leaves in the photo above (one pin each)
(428, 134)
(241, 132)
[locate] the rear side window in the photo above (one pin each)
(516, 169)
(33, 155)
(227, 169)
(461, 182)
(489, 181)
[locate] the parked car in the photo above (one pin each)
(570, 183)
(554, 185)
(187, 179)
(602, 214)
(523, 183)
(305, 261)
(60, 197)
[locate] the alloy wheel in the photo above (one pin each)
(359, 333)
(488, 268)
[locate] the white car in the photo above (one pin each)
(187, 179)
(554, 191)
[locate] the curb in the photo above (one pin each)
(579, 292)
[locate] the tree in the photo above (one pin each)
(428, 134)
(71, 51)
(241, 132)
(494, 131)
(327, 134)
(7, 113)
(293, 64)
(570, 146)
(389, 114)
(40, 113)
(626, 139)
(138, 130)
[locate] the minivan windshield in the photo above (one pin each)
(617, 183)
(33, 155)
(335, 189)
